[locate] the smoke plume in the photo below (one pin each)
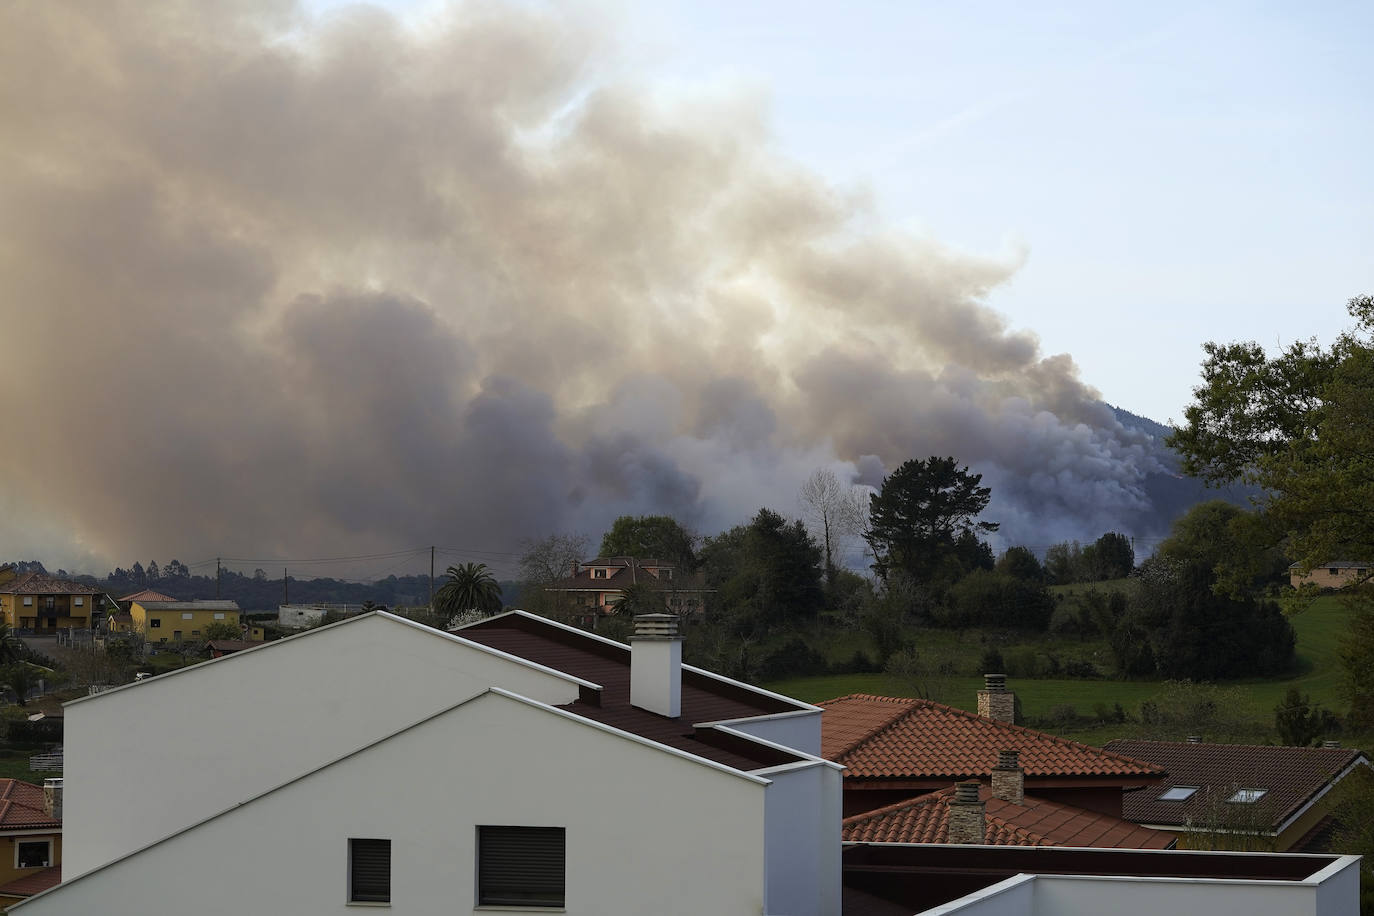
(275, 285)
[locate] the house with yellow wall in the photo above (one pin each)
(180, 621)
(30, 838)
(39, 602)
(1336, 574)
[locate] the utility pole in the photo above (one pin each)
(216, 577)
(285, 588)
(431, 580)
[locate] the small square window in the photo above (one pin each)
(521, 866)
(598, 573)
(369, 871)
(187, 616)
(1247, 796)
(33, 854)
(79, 601)
(219, 616)
(28, 601)
(50, 602)
(1178, 793)
(155, 622)
(195, 632)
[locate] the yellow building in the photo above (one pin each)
(30, 838)
(35, 601)
(180, 621)
(1336, 574)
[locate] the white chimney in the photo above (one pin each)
(656, 665)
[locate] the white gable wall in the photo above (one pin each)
(145, 761)
(647, 830)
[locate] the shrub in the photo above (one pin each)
(793, 658)
(991, 662)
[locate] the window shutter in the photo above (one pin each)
(521, 866)
(369, 870)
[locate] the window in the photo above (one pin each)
(666, 573)
(1247, 796)
(195, 632)
(598, 573)
(1178, 793)
(520, 866)
(187, 616)
(28, 601)
(79, 601)
(33, 854)
(1334, 571)
(50, 602)
(154, 622)
(219, 616)
(369, 871)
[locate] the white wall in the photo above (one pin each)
(149, 759)
(647, 831)
(803, 812)
(800, 730)
(1013, 897)
(1064, 895)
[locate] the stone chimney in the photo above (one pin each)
(52, 797)
(1331, 742)
(1194, 739)
(1008, 780)
(967, 823)
(656, 665)
(995, 701)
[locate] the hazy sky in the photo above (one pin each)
(315, 280)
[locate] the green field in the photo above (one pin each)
(1319, 630)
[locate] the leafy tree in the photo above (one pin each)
(221, 629)
(545, 561)
(1064, 563)
(1113, 556)
(1178, 627)
(985, 598)
(469, 587)
(1222, 537)
(1021, 563)
(20, 677)
(154, 574)
(1299, 723)
(641, 598)
(766, 573)
(838, 510)
(923, 521)
(11, 647)
(137, 575)
(645, 537)
(1357, 661)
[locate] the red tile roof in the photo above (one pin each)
(704, 698)
(35, 583)
(1290, 776)
(622, 572)
(1034, 822)
(28, 885)
(21, 807)
(147, 595)
(894, 737)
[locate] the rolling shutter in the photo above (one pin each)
(369, 870)
(521, 866)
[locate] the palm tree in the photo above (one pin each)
(11, 647)
(470, 587)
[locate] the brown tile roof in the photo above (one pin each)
(28, 885)
(893, 737)
(21, 807)
(204, 604)
(147, 595)
(704, 698)
(35, 583)
(1290, 776)
(1035, 822)
(624, 571)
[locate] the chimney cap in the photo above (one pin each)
(1008, 760)
(656, 626)
(966, 793)
(1194, 739)
(1331, 742)
(995, 683)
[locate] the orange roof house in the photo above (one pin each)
(897, 748)
(31, 825)
(597, 585)
(37, 601)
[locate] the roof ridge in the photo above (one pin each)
(926, 799)
(1261, 747)
(909, 705)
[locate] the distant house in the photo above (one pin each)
(598, 585)
(39, 602)
(1336, 574)
(31, 827)
(895, 749)
(1274, 794)
(180, 621)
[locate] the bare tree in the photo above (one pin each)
(544, 561)
(837, 510)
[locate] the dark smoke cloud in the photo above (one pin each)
(275, 286)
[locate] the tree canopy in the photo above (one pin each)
(469, 587)
(768, 571)
(645, 537)
(924, 521)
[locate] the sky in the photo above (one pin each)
(298, 281)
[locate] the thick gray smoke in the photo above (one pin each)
(279, 286)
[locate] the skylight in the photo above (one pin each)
(1178, 793)
(1247, 796)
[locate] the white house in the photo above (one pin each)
(516, 763)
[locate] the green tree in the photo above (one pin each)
(646, 537)
(1223, 537)
(221, 629)
(1021, 563)
(923, 521)
(469, 587)
(766, 573)
(11, 646)
(641, 598)
(1113, 556)
(1300, 723)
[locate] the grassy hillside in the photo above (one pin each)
(1319, 630)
